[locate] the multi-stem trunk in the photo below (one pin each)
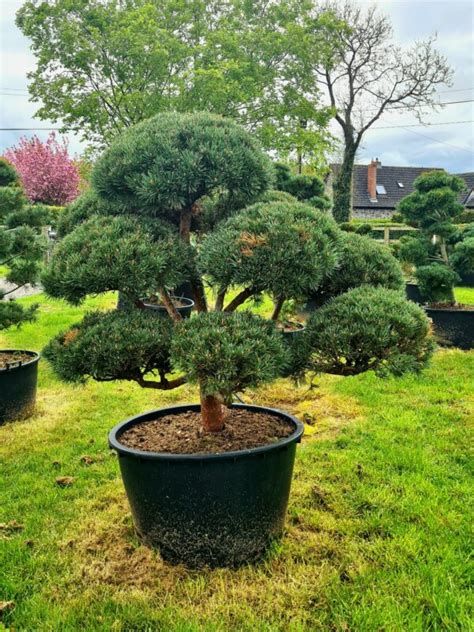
(342, 202)
(213, 412)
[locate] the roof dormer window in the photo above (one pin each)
(381, 189)
(401, 185)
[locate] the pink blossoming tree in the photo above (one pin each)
(47, 172)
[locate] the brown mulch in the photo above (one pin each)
(183, 434)
(13, 358)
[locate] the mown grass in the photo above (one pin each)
(379, 523)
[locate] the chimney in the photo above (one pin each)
(372, 179)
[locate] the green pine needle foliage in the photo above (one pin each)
(172, 161)
(368, 328)
(116, 253)
(283, 248)
(362, 261)
(116, 345)
(227, 353)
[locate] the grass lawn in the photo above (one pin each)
(378, 530)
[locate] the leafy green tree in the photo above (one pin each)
(140, 231)
(21, 245)
(106, 65)
(433, 207)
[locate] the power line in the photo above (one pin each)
(423, 124)
(441, 142)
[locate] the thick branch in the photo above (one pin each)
(199, 294)
(163, 385)
(239, 299)
(169, 305)
(277, 309)
(220, 299)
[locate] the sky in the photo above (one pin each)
(442, 142)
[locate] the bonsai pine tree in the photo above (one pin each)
(21, 245)
(141, 230)
(439, 252)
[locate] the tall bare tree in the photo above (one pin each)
(367, 74)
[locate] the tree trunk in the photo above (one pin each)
(213, 413)
(277, 308)
(343, 184)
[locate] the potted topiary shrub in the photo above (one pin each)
(362, 261)
(440, 253)
(21, 251)
(208, 483)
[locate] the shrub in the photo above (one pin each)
(21, 245)
(305, 188)
(366, 329)
(116, 253)
(47, 172)
(362, 261)
(227, 353)
(434, 206)
(465, 217)
(164, 166)
(462, 258)
(262, 247)
(118, 345)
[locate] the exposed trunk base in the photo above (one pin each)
(213, 413)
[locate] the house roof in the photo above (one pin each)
(468, 194)
(390, 177)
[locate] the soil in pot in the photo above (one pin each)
(183, 305)
(289, 326)
(182, 433)
(13, 358)
(177, 302)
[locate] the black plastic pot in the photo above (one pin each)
(290, 335)
(160, 310)
(18, 387)
(208, 509)
(453, 327)
(413, 293)
(467, 280)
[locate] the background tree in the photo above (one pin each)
(21, 246)
(46, 171)
(366, 74)
(439, 251)
(104, 66)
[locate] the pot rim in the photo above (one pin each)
(185, 299)
(452, 310)
(35, 356)
(115, 444)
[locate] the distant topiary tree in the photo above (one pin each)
(438, 251)
(21, 245)
(305, 188)
(47, 172)
(141, 231)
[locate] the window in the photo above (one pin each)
(470, 197)
(401, 185)
(381, 189)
